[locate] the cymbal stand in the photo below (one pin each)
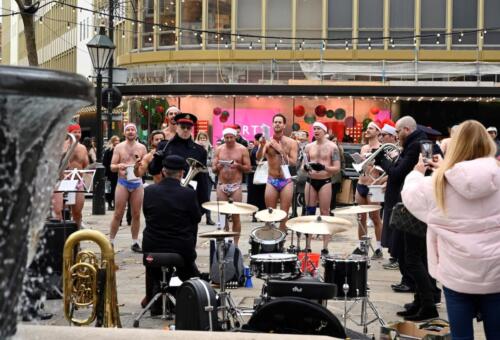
(227, 306)
(365, 240)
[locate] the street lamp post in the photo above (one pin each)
(101, 49)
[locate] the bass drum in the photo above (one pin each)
(292, 315)
(265, 240)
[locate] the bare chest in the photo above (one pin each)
(230, 154)
(320, 152)
(128, 154)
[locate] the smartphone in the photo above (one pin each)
(265, 131)
(426, 149)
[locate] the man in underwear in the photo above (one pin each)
(79, 160)
(280, 152)
(129, 187)
(324, 161)
(170, 130)
(362, 190)
(230, 161)
(141, 166)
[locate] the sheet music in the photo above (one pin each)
(357, 157)
(76, 181)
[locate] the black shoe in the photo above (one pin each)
(210, 221)
(410, 305)
(324, 252)
(136, 248)
(358, 251)
(423, 314)
(378, 254)
(409, 311)
(402, 288)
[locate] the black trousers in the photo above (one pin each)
(154, 275)
(416, 266)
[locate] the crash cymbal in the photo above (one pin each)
(356, 209)
(270, 215)
(228, 207)
(321, 225)
(218, 234)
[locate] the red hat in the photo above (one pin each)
(74, 127)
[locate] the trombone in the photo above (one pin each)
(388, 150)
(90, 283)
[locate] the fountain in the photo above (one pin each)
(35, 107)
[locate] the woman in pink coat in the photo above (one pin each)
(461, 205)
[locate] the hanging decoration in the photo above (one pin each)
(224, 116)
(340, 113)
(350, 122)
(320, 110)
(295, 127)
(330, 113)
(374, 110)
(383, 115)
(217, 111)
(299, 111)
(160, 109)
(309, 118)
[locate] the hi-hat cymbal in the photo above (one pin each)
(225, 207)
(321, 225)
(218, 234)
(356, 209)
(270, 215)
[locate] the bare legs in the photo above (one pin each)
(236, 197)
(121, 199)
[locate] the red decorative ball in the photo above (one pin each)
(160, 109)
(374, 110)
(320, 110)
(223, 118)
(225, 114)
(299, 111)
(217, 111)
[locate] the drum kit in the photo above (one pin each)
(269, 261)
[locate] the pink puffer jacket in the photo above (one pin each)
(463, 246)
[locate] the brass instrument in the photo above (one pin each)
(88, 283)
(388, 149)
(195, 167)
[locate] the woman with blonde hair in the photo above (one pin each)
(460, 204)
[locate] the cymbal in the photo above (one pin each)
(356, 209)
(226, 207)
(321, 225)
(270, 215)
(218, 234)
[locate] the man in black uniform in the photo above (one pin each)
(172, 215)
(183, 145)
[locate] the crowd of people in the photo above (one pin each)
(455, 193)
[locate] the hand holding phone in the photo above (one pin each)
(426, 149)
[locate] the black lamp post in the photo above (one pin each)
(101, 49)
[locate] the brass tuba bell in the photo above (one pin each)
(90, 283)
(194, 168)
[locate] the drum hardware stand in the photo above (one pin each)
(365, 300)
(227, 305)
(365, 239)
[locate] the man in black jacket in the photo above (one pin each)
(183, 145)
(410, 250)
(409, 137)
(172, 215)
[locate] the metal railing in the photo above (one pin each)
(326, 72)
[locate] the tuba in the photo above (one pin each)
(90, 283)
(387, 148)
(195, 167)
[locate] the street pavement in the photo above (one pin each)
(131, 276)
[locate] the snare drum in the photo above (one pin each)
(350, 270)
(274, 266)
(265, 240)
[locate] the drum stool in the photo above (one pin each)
(167, 262)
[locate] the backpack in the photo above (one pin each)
(234, 268)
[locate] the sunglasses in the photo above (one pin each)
(185, 126)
